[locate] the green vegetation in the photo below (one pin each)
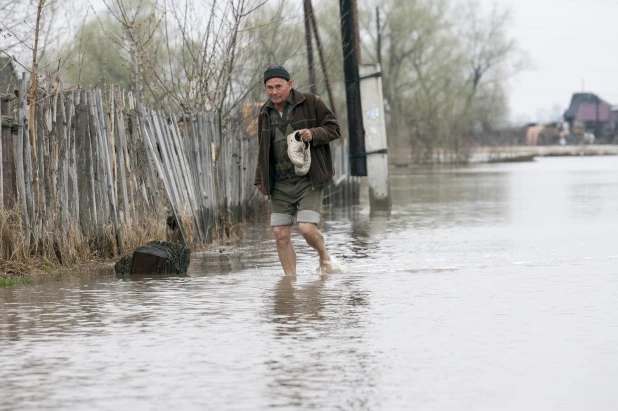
(6, 282)
(93, 60)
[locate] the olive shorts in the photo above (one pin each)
(294, 197)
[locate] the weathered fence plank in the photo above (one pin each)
(107, 167)
(194, 166)
(18, 154)
(203, 142)
(3, 141)
(159, 167)
(83, 161)
(185, 175)
(98, 154)
(167, 157)
(41, 167)
(116, 113)
(149, 185)
(73, 186)
(7, 161)
(26, 155)
(63, 184)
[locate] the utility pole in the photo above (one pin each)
(308, 16)
(379, 37)
(318, 43)
(376, 146)
(351, 57)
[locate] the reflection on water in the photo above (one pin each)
(318, 337)
(487, 287)
(297, 306)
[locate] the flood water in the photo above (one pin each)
(488, 287)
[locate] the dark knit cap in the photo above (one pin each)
(276, 71)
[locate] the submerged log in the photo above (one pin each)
(157, 257)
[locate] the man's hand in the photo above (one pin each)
(305, 134)
(261, 189)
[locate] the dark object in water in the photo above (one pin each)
(123, 266)
(157, 257)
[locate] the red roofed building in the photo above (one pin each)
(589, 113)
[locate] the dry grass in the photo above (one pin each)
(21, 255)
(187, 222)
(66, 247)
(69, 246)
(137, 233)
(14, 245)
(11, 269)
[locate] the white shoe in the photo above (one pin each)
(299, 154)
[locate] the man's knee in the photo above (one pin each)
(282, 233)
(308, 229)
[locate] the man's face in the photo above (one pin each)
(278, 90)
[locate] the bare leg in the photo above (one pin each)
(285, 249)
(315, 239)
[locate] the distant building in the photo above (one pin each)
(588, 113)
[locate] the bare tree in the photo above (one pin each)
(34, 38)
(183, 54)
(493, 57)
(25, 25)
(487, 43)
(444, 71)
(139, 23)
(14, 13)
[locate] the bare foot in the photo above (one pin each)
(329, 267)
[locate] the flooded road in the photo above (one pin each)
(488, 287)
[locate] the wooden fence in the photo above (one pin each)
(102, 166)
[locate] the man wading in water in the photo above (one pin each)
(292, 196)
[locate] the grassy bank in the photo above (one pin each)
(6, 282)
(40, 271)
(23, 261)
(65, 254)
(15, 273)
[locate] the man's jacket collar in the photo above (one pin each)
(294, 99)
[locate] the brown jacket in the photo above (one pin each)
(309, 112)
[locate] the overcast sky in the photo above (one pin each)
(572, 47)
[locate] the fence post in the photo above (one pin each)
(61, 120)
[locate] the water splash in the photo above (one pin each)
(332, 267)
